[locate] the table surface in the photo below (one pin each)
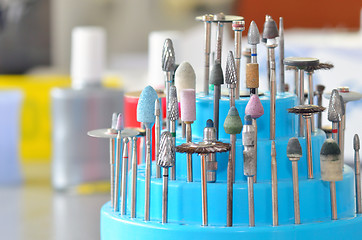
(33, 210)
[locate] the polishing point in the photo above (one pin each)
(173, 111)
(248, 120)
(356, 143)
(335, 107)
(114, 120)
(216, 75)
(254, 108)
(168, 56)
(270, 29)
(294, 149)
(185, 77)
(119, 126)
(230, 74)
(209, 123)
(188, 105)
(233, 124)
(146, 105)
(253, 34)
(330, 147)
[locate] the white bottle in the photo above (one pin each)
(76, 157)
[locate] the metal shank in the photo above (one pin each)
(124, 176)
(164, 195)
(173, 132)
(204, 191)
(296, 192)
(189, 156)
(251, 201)
(134, 178)
(148, 173)
(272, 93)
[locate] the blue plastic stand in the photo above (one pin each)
(184, 198)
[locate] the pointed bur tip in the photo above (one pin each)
(166, 156)
(335, 110)
(230, 74)
(253, 34)
(356, 142)
(119, 126)
(168, 56)
(146, 105)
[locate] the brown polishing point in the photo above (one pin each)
(252, 75)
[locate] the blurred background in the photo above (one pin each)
(35, 59)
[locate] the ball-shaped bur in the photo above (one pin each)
(270, 29)
(331, 162)
(254, 108)
(146, 105)
(188, 105)
(232, 123)
(294, 149)
(356, 142)
(166, 153)
(185, 77)
(216, 75)
(253, 34)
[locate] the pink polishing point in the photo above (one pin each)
(119, 126)
(254, 107)
(188, 105)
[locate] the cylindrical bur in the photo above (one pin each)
(211, 164)
(331, 169)
(188, 116)
(249, 150)
(252, 75)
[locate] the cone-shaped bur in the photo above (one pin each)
(294, 149)
(233, 124)
(356, 142)
(253, 34)
(146, 105)
(119, 125)
(173, 111)
(166, 154)
(331, 161)
(249, 150)
(185, 77)
(270, 30)
(335, 110)
(216, 75)
(230, 73)
(254, 108)
(168, 56)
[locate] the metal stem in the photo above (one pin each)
(238, 35)
(148, 173)
(296, 192)
(311, 97)
(219, 36)
(173, 132)
(357, 182)
(204, 190)
(251, 201)
(272, 92)
(157, 144)
(254, 55)
(319, 102)
(255, 146)
(332, 186)
(335, 132)
(111, 164)
(274, 180)
(268, 67)
(165, 195)
(189, 155)
(301, 101)
(124, 176)
(217, 93)
(309, 147)
(229, 206)
(134, 178)
(281, 55)
(116, 180)
(296, 77)
(183, 129)
(341, 132)
(232, 152)
(168, 85)
(232, 97)
(207, 56)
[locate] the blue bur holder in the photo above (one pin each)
(184, 212)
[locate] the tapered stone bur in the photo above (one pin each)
(254, 108)
(335, 107)
(294, 149)
(166, 154)
(216, 75)
(270, 29)
(114, 120)
(356, 143)
(232, 123)
(168, 56)
(185, 77)
(188, 105)
(119, 125)
(146, 105)
(230, 73)
(253, 34)
(172, 109)
(331, 162)
(157, 107)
